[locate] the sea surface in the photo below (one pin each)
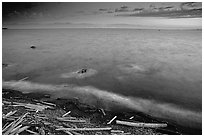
(160, 66)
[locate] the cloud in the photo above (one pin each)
(191, 5)
(102, 9)
(138, 9)
(122, 9)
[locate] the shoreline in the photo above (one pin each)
(113, 102)
(133, 28)
(95, 115)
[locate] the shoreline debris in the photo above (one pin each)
(85, 129)
(23, 79)
(53, 119)
(14, 128)
(66, 114)
(146, 125)
(31, 106)
(103, 111)
(112, 120)
(117, 131)
(131, 117)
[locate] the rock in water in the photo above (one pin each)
(79, 74)
(82, 71)
(33, 47)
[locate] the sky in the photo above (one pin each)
(103, 14)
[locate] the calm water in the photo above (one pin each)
(160, 65)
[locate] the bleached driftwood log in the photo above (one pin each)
(66, 113)
(85, 129)
(148, 125)
(112, 120)
(23, 79)
(103, 112)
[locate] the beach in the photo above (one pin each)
(41, 116)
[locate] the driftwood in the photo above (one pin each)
(86, 129)
(40, 117)
(112, 120)
(66, 125)
(22, 129)
(131, 117)
(74, 120)
(66, 118)
(75, 133)
(69, 133)
(23, 79)
(9, 118)
(66, 113)
(32, 106)
(6, 125)
(73, 125)
(128, 133)
(46, 123)
(6, 102)
(117, 131)
(32, 132)
(10, 113)
(103, 112)
(15, 126)
(13, 131)
(148, 125)
(48, 103)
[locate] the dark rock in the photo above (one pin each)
(33, 47)
(82, 71)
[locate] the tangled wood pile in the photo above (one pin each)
(35, 122)
(22, 116)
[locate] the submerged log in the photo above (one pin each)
(148, 125)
